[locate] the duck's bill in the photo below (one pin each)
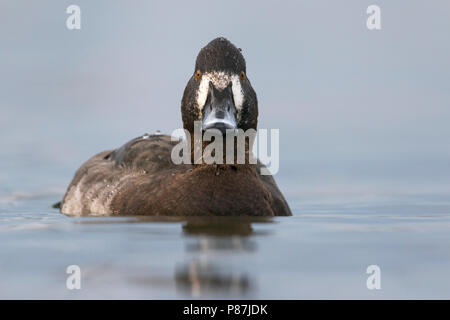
(219, 111)
(222, 123)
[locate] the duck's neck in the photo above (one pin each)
(225, 189)
(222, 151)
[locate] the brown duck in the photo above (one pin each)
(140, 177)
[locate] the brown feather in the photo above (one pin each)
(140, 179)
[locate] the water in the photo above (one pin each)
(321, 252)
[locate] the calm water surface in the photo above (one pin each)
(321, 252)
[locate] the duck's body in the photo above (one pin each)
(140, 179)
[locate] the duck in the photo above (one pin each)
(141, 179)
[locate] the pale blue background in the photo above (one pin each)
(359, 111)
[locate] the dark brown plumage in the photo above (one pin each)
(140, 178)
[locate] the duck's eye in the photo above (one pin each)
(242, 76)
(198, 74)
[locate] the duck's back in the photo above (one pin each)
(102, 177)
(135, 176)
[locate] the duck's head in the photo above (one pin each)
(219, 94)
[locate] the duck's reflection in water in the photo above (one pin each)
(212, 243)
